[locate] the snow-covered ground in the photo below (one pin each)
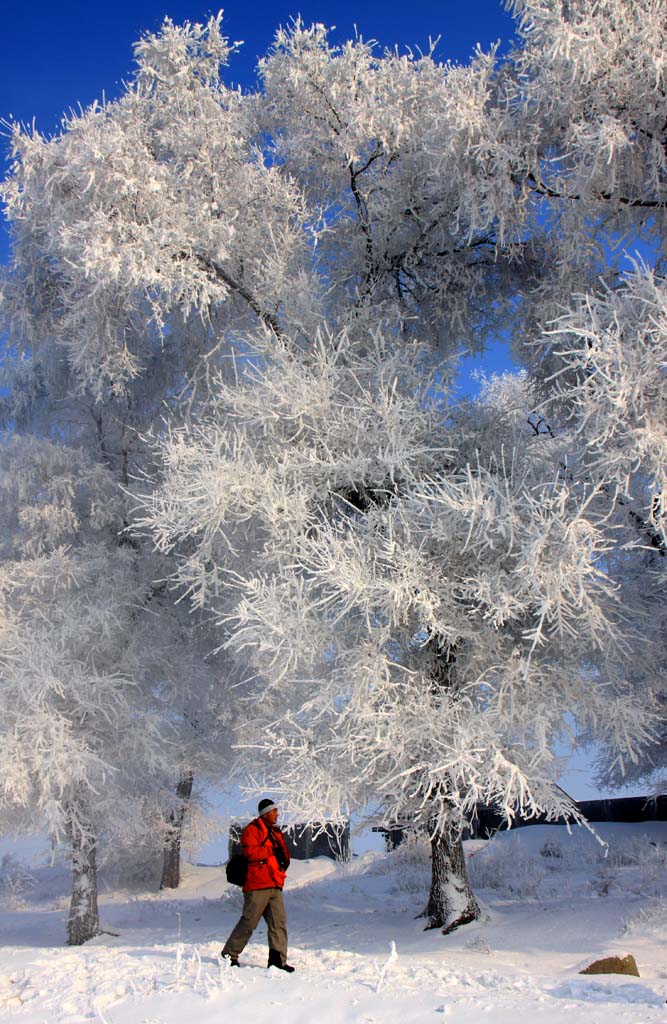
(551, 905)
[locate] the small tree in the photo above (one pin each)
(78, 721)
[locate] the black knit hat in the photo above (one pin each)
(265, 805)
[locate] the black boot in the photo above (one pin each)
(233, 961)
(275, 960)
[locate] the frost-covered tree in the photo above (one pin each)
(145, 222)
(419, 588)
(588, 83)
(355, 204)
(610, 351)
(153, 229)
(79, 722)
(592, 85)
(107, 698)
(49, 394)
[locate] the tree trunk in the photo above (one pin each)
(84, 921)
(451, 902)
(171, 863)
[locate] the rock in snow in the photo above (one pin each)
(613, 965)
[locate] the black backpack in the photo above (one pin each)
(236, 869)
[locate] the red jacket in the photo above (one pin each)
(264, 872)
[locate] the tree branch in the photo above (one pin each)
(537, 185)
(267, 318)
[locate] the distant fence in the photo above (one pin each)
(488, 820)
(328, 839)
(620, 809)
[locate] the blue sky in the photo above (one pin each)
(55, 55)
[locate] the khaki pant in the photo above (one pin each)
(266, 903)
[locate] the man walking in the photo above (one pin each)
(265, 850)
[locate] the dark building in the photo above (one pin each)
(626, 808)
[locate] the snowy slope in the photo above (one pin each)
(552, 903)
